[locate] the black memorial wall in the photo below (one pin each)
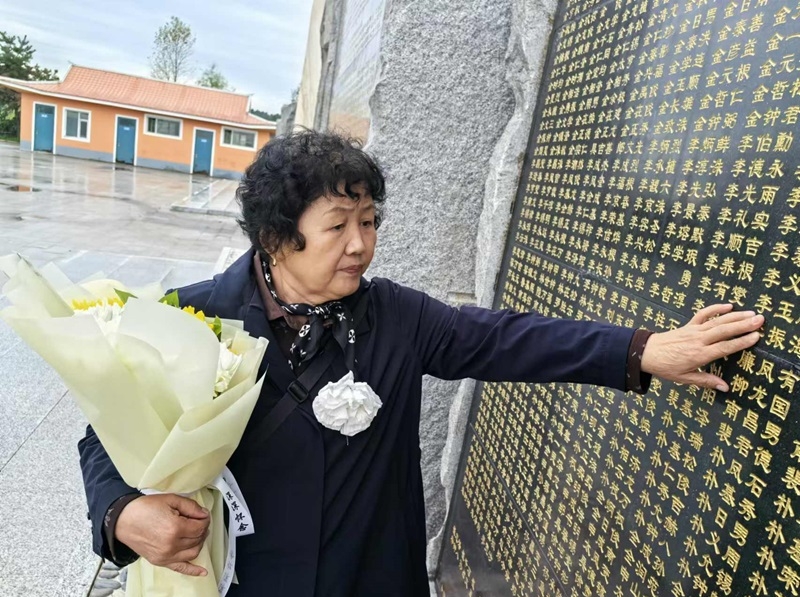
(662, 175)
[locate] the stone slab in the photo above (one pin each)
(28, 391)
(437, 115)
(45, 547)
(531, 25)
(534, 503)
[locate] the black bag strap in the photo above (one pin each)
(299, 389)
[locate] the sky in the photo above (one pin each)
(259, 46)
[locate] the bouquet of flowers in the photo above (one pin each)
(167, 391)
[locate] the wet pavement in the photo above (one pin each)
(87, 217)
(53, 205)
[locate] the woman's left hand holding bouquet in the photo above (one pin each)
(165, 529)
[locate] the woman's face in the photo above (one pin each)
(340, 242)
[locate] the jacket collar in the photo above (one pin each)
(236, 296)
(233, 288)
(256, 324)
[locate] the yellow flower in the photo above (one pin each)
(198, 314)
(86, 304)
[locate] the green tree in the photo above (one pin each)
(213, 78)
(173, 47)
(16, 61)
(265, 115)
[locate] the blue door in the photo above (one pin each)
(44, 127)
(203, 143)
(126, 140)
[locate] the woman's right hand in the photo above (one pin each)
(166, 529)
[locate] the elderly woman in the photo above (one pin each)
(338, 504)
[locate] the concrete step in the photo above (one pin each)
(218, 198)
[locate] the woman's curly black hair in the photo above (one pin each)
(291, 172)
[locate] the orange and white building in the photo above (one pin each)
(112, 117)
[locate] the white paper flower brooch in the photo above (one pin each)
(346, 406)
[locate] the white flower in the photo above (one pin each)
(107, 316)
(346, 406)
(226, 368)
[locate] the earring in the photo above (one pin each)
(274, 262)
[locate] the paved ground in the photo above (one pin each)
(82, 205)
(88, 217)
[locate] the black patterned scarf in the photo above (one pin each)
(310, 338)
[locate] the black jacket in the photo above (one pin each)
(339, 518)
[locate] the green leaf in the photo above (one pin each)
(171, 299)
(124, 296)
(217, 327)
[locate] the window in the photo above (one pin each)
(166, 127)
(237, 138)
(76, 125)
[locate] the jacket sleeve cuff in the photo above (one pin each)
(121, 554)
(105, 498)
(635, 379)
(614, 373)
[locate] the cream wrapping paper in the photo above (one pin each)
(147, 389)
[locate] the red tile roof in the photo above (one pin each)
(93, 84)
